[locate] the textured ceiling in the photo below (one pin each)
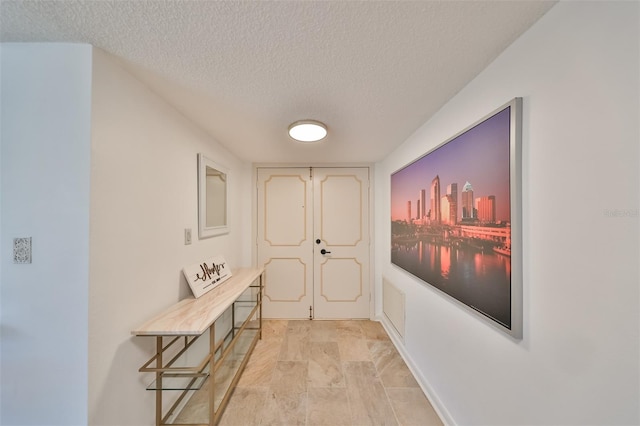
(243, 71)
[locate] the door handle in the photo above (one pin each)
(323, 251)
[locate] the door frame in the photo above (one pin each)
(254, 214)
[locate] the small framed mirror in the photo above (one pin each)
(212, 198)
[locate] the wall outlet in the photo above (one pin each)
(187, 236)
(22, 250)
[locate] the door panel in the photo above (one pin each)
(340, 208)
(298, 217)
(341, 275)
(280, 271)
(333, 273)
(285, 241)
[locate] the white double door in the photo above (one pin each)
(313, 240)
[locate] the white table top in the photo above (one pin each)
(192, 317)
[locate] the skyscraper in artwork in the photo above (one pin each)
(435, 200)
(423, 205)
(467, 201)
(452, 192)
(447, 208)
(409, 211)
(486, 208)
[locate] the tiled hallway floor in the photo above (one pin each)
(327, 373)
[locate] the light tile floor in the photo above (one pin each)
(327, 373)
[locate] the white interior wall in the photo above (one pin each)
(45, 152)
(578, 72)
(143, 196)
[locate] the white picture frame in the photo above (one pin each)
(213, 193)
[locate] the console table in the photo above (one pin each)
(230, 318)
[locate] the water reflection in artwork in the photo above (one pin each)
(480, 279)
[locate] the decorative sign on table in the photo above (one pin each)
(205, 276)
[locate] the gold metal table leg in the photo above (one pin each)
(212, 363)
(159, 381)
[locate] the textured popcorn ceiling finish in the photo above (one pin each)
(243, 71)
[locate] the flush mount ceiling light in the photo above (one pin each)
(307, 131)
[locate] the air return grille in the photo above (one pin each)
(393, 305)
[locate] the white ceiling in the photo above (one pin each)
(373, 71)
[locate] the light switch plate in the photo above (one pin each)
(22, 250)
(187, 236)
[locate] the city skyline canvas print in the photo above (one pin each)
(452, 214)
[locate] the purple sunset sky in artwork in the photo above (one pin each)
(479, 156)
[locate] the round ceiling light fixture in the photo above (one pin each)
(307, 131)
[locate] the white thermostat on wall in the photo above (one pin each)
(207, 275)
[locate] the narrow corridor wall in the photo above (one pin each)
(578, 71)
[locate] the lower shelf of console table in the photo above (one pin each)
(202, 346)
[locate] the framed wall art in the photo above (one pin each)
(456, 218)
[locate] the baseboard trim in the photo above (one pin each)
(437, 404)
